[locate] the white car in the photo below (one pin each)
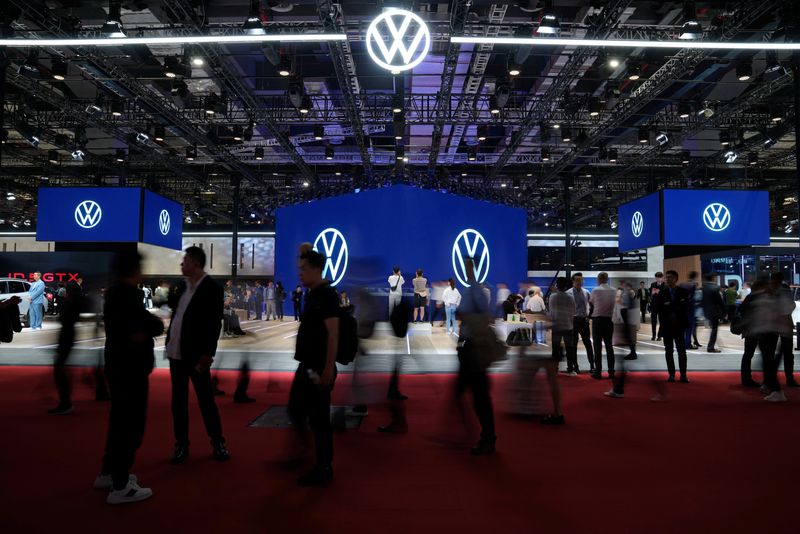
(10, 287)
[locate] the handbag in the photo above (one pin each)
(520, 337)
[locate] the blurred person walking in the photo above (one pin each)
(36, 297)
(713, 309)
(197, 310)
(655, 288)
(784, 308)
(70, 313)
(746, 327)
(603, 299)
(580, 322)
(626, 306)
(270, 295)
(690, 336)
(643, 296)
(315, 350)
(537, 312)
(420, 284)
(730, 294)
(672, 302)
(129, 360)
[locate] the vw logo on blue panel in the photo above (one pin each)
(331, 242)
(405, 33)
(637, 224)
(88, 214)
(164, 222)
(716, 217)
(470, 244)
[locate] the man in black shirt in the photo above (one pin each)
(317, 342)
(130, 330)
(655, 288)
(672, 301)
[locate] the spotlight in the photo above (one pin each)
(634, 71)
(595, 105)
(305, 184)
(210, 104)
(258, 153)
(730, 156)
(96, 108)
(247, 134)
(612, 155)
(159, 132)
(613, 62)
(472, 154)
(691, 29)
(174, 67)
(545, 153)
(399, 153)
(514, 69)
(191, 153)
(566, 135)
(52, 156)
(117, 107)
(58, 69)
(30, 67)
(744, 70)
(752, 158)
(549, 24)
(494, 107)
(774, 68)
(285, 67)
(11, 196)
(397, 104)
(319, 132)
(725, 138)
(774, 135)
(142, 137)
(644, 136)
(238, 133)
(329, 153)
(775, 114)
(252, 24)
(705, 110)
(685, 157)
(113, 26)
(78, 155)
(179, 89)
(3, 136)
(662, 138)
(305, 105)
(120, 155)
(482, 132)
(684, 110)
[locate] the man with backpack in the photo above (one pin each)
(316, 350)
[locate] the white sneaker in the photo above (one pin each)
(776, 396)
(130, 493)
(572, 373)
(105, 482)
(614, 394)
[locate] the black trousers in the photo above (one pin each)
(296, 311)
(259, 304)
(580, 327)
(126, 423)
(436, 311)
(628, 335)
(674, 339)
(569, 344)
(66, 338)
(472, 375)
(788, 357)
(643, 309)
(767, 343)
(750, 346)
(603, 333)
(654, 322)
(310, 405)
(180, 374)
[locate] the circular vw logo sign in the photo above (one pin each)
(331, 242)
(88, 214)
(637, 224)
(398, 40)
(163, 222)
(716, 217)
(470, 244)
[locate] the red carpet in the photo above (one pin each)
(714, 458)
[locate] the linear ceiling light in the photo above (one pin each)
(181, 40)
(618, 43)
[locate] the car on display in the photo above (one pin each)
(10, 287)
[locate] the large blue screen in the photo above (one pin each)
(716, 217)
(365, 234)
(88, 214)
(162, 222)
(639, 223)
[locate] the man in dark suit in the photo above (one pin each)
(129, 360)
(713, 309)
(655, 287)
(197, 309)
(672, 302)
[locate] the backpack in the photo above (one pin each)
(348, 338)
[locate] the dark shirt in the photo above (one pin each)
(297, 297)
(312, 337)
(508, 308)
(125, 319)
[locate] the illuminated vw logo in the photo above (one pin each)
(398, 31)
(88, 214)
(637, 224)
(716, 217)
(470, 244)
(163, 222)
(331, 242)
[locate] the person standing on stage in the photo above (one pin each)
(672, 304)
(297, 302)
(580, 323)
(395, 282)
(129, 360)
(420, 296)
(36, 297)
(197, 310)
(270, 298)
(316, 347)
(451, 298)
(603, 300)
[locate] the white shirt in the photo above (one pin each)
(586, 298)
(392, 281)
(536, 304)
(437, 292)
(502, 294)
(174, 345)
(451, 297)
(744, 292)
(603, 297)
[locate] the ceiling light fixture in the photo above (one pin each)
(549, 24)
(644, 135)
(113, 26)
(329, 153)
(52, 156)
(319, 132)
(78, 155)
(662, 138)
(191, 153)
(252, 24)
(744, 71)
(691, 29)
(120, 155)
(58, 69)
(730, 156)
(482, 132)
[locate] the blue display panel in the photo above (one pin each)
(639, 223)
(716, 217)
(365, 234)
(88, 214)
(162, 221)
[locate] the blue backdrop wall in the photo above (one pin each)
(365, 234)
